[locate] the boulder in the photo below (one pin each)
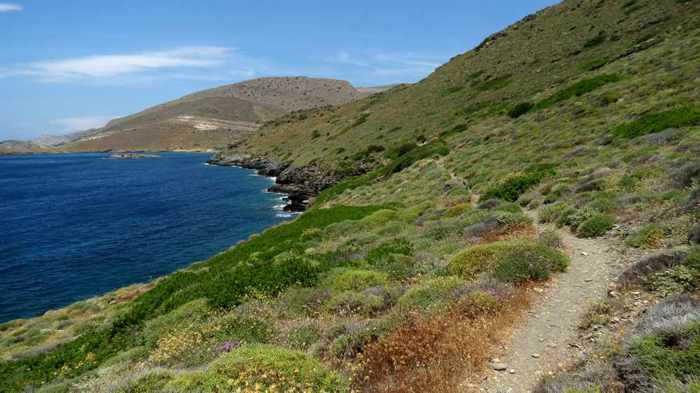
(639, 273)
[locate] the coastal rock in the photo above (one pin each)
(300, 184)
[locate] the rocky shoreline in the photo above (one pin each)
(300, 184)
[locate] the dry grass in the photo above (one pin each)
(443, 352)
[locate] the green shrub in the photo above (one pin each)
(595, 41)
(679, 279)
(183, 315)
(393, 257)
(669, 355)
(262, 366)
(380, 218)
(511, 189)
(578, 89)
(551, 213)
(343, 279)
(353, 302)
(568, 217)
(430, 295)
(520, 109)
(530, 264)
(246, 328)
(551, 238)
(500, 256)
(650, 236)
(303, 337)
(494, 83)
(659, 121)
(435, 148)
(596, 225)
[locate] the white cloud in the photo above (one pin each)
(81, 123)
(118, 65)
(10, 7)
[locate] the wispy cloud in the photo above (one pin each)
(115, 65)
(189, 62)
(10, 7)
(385, 66)
(81, 123)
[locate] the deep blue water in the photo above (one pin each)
(79, 225)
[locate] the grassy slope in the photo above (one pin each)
(354, 292)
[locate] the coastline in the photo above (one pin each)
(298, 194)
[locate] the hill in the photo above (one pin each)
(215, 117)
(19, 147)
(439, 214)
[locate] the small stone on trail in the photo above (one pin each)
(585, 254)
(499, 366)
(536, 355)
(511, 371)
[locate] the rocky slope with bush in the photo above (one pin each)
(416, 258)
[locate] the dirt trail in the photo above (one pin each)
(546, 339)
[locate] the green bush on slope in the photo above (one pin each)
(511, 189)
(510, 261)
(659, 121)
(578, 89)
(262, 368)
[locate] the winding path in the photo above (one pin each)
(546, 340)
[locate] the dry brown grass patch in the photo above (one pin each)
(443, 352)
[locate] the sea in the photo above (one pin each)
(73, 226)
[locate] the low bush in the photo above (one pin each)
(303, 337)
(520, 109)
(658, 121)
(650, 236)
(493, 83)
(530, 264)
(262, 368)
(509, 259)
(393, 257)
(578, 89)
(430, 295)
(353, 302)
(551, 213)
(595, 41)
(662, 357)
(551, 238)
(511, 188)
(596, 225)
(676, 280)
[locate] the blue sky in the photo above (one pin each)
(71, 65)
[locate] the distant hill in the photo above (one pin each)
(19, 147)
(220, 116)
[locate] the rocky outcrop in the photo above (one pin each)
(300, 184)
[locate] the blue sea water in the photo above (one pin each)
(78, 225)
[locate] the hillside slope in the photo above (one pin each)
(215, 117)
(417, 259)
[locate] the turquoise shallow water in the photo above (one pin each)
(79, 225)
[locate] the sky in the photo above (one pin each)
(74, 64)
